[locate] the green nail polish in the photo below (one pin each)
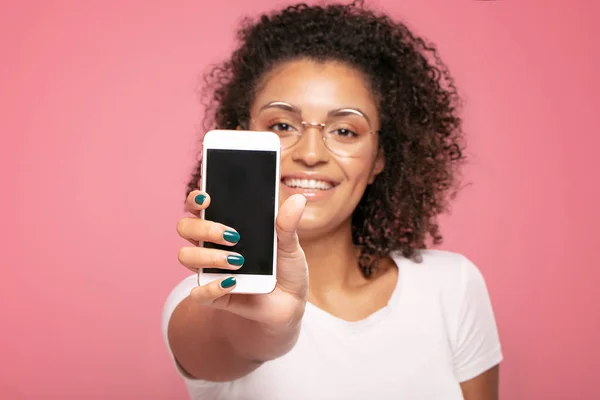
(231, 236)
(199, 199)
(236, 260)
(227, 283)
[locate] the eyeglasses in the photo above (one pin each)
(346, 132)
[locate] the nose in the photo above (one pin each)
(311, 149)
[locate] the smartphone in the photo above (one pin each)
(240, 172)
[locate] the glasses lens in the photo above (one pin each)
(287, 125)
(347, 134)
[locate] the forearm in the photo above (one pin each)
(257, 342)
(219, 346)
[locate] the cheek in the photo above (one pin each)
(357, 171)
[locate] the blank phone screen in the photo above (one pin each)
(241, 184)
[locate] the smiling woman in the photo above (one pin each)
(371, 144)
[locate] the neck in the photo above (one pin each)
(332, 260)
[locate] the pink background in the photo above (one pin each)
(98, 119)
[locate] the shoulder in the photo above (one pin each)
(451, 283)
(439, 267)
(433, 259)
(176, 296)
(449, 276)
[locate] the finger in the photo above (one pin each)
(198, 230)
(213, 291)
(288, 217)
(197, 201)
(195, 258)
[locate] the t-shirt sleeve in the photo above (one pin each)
(197, 388)
(476, 342)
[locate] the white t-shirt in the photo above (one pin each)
(437, 330)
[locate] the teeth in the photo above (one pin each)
(307, 184)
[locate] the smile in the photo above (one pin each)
(312, 184)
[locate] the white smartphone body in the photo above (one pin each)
(240, 172)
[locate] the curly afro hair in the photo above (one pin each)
(420, 135)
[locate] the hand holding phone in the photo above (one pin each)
(240, 171)
(282, 277)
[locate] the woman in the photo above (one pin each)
(378, 316)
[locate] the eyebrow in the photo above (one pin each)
(295, 109)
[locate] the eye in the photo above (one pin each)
(281, 127)
(345, 133)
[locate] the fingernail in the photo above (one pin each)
(235, 259)
(199, 199)
(231, 236)
(227, 283)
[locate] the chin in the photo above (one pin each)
(318, 223)
(311, 233)
(310, 223)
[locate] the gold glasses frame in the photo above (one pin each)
(318, 125)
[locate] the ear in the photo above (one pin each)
(378, 165)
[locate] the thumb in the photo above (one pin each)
(288, 218)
